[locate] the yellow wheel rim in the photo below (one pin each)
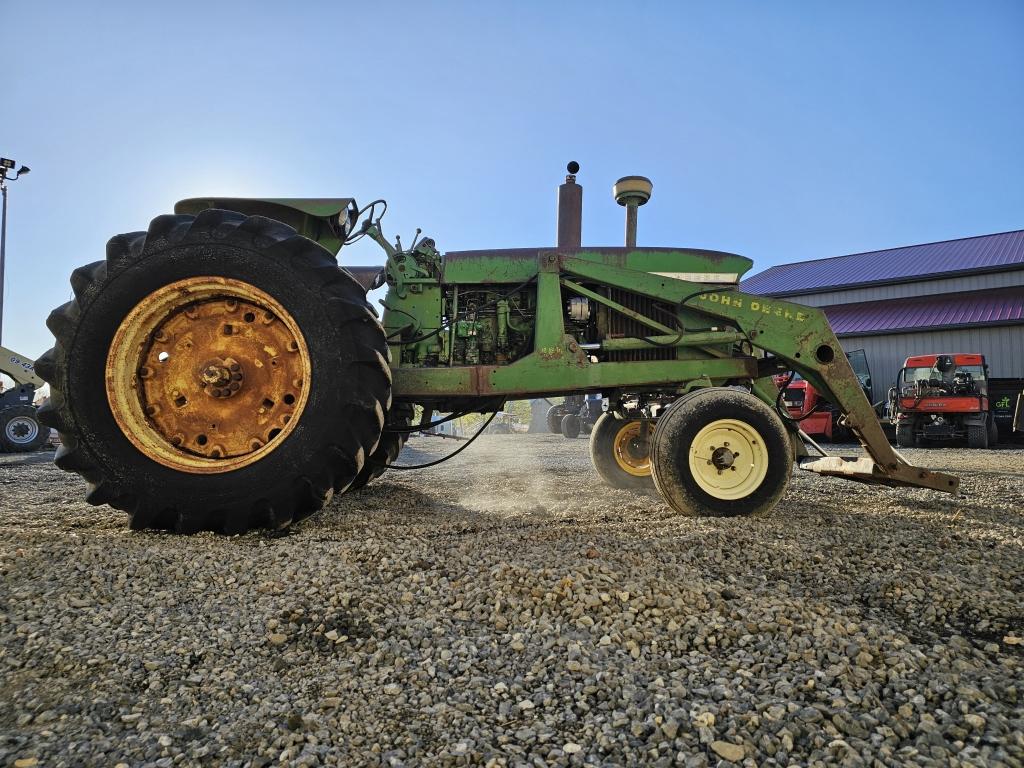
(728, 459)
(632, 448)
(207, 375)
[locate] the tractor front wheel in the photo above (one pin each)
(571, 426)
(720, 452)
(620, 450)
(215, 372)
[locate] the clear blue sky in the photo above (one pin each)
(782, 131)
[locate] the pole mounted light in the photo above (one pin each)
(6, 165)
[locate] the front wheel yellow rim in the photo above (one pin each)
(207, 375)
(632, 448)
(728, 459)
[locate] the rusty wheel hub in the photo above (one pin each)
(207, 375)
(221, 377)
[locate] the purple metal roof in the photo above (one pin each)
(1003, 305)
(970, 254)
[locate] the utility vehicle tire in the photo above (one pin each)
(905, 435)
(555, 414)
(993, 431)
(721, 452)
(148, 353)
(571, 425)
(620, 450)
(20, 430)
(390, 445)
(977, 436)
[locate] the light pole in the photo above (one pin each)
(5, 166)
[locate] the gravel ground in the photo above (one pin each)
(507, 609)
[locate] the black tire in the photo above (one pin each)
(905, 435)
(20, 429)
(390, 445)
(603, 439)
(685, 420)
(554, 417)
(977, 436)
(571, 426)
(348, 394)
(993, 431)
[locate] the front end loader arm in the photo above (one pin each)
(802, 339)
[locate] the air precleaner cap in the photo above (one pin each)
(632, 189)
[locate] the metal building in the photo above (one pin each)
(962, 295)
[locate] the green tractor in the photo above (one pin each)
(220, 371)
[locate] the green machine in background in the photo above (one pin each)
(220, 371)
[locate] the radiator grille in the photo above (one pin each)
(615, 325)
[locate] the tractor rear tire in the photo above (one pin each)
(20, 430)
(571, 426)
(390, 445)
(213, 292)
(620, 454)
(554, 417)
(977, 436)
(905, 437)
(721, 452)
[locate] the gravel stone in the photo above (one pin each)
(506, 609)
(727, 751)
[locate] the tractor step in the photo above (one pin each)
(863, 469)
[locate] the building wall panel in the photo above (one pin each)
(906, 290)
(1003, 347)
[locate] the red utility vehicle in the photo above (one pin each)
(943, 397)
(802, 401)
(817, 416)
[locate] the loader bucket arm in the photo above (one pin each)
(802, 340)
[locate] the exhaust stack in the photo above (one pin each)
(570, 210)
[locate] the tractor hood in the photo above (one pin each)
(327, 220)
(513, 265)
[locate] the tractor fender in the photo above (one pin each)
(327, 220)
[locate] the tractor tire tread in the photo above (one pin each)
(389, 447)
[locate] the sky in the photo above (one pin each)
(782, 131)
